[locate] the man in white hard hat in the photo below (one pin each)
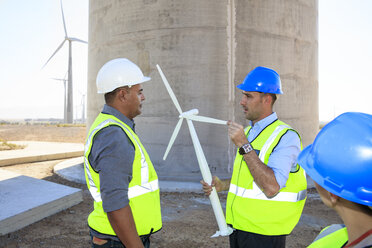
(118, 170)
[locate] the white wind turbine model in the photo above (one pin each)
(190, 116)
(69, 105)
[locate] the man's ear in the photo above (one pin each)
(123, 95)
(333, 198)
(267, 98)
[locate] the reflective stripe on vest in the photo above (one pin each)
(256, 193)
(270, 141)
(332, 236)
(138, 190)
(133, 191)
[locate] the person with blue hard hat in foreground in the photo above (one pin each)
(267, 190)
(118, 170)
(340, 163)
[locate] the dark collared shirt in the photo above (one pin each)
(112, 156)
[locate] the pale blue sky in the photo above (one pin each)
(32, 30)
(345, 57)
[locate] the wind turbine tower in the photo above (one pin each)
(69, 106)
(64, 80)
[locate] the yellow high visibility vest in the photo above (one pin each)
(247, 207)
(332, 236)
(143, 189)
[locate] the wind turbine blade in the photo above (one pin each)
(58, 79)
(54, 53)
(63, 19)
(173, 137)
(170, 91)
(206, 119)
(76, 39)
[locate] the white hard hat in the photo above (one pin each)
(118, 73)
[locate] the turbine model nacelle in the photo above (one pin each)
(188, 113)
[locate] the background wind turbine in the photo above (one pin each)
(224, 230)
(64, 80)
(69, 105)
(82, 106)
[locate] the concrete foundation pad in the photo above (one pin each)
(25, 200)
(36, 151)
(73, 170)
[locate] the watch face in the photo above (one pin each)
(241, 151)
(245, 149)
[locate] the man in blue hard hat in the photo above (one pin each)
(340, 163)
(267, 191)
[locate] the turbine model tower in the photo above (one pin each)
(206, 173)
(69, 71)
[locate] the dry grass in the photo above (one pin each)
(5, 145)
(45, 132)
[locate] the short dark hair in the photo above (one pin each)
(110, 96)
(273, 96)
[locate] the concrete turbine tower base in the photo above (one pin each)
(207, 48)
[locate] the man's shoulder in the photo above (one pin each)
(110, 130)
(110, 135)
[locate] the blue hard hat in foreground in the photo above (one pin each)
(340, 159)
(263, 80)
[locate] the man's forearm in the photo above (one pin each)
(262, 174)
(123, 224)
(225, 184)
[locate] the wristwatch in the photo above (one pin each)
(244, 149)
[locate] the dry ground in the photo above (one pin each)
(188, 219)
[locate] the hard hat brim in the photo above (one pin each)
(143, 80)
(256, 89)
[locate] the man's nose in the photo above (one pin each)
(242, 101)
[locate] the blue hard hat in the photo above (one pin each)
(263, 80)
(340, 159)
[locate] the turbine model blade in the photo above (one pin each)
(173, 137)
(76, 39)
(54, 53)
(170, 91)
(63, 19)
(206, 119)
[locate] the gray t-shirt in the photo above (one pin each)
(112, 156)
